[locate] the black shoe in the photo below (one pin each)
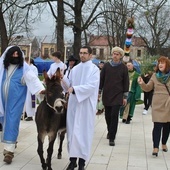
(0, 127)
(28, 119)
(81, 168)
(111, 142)
(155, 152)
(123, 120)
(71, 166)
(24, 116)
(164, 148)
(127, 121)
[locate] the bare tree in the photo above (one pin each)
(74, 10)
(153, 24)
(77, 22)
(3, 30)
(59, 18)
(113, 21)
(13, 20)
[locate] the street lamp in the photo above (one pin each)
(68, 52)
(65, 51)
(30, 48)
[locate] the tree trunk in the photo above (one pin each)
(77, 29)
(60, 28)
(77, 43)
(3, 33)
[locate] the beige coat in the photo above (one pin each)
(160, 101)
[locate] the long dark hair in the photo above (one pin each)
(9, 54)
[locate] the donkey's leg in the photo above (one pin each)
(40, 151)
(50, 150)
(62, 136)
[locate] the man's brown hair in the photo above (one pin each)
(57, 54)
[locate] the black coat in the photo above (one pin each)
(114, 82)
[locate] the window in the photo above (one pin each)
(46, 51)
(94, 51)
(138, 53)
(51, 50)
(101, 53)
(24, 51)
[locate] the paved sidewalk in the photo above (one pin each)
(133, 149)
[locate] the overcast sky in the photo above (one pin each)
(45, 28)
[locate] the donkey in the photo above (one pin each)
(50, 117)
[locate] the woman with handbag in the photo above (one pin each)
(160, 83)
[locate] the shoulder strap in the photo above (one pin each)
(167, 88)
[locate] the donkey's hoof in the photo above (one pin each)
(44, 167)
(50, 168)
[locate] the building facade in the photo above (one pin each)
(47, 49)
(29, 46)
(102, 50)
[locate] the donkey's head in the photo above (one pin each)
(54, 92)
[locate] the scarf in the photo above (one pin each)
(163, 78)
(113, 64)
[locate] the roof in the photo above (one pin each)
(138, 41)
(96, 40)
(21, 40)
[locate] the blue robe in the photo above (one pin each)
(13, 98)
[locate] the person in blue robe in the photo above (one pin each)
(15, 78)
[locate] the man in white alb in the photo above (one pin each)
(83, 90)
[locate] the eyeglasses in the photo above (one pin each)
(84, 53)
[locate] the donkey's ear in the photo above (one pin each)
(45, 75)
(58, 73)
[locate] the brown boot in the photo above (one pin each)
(8, 156)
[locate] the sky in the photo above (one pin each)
(45, 28)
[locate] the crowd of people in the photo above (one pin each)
(112, 88)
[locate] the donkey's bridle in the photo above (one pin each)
(52, 107)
